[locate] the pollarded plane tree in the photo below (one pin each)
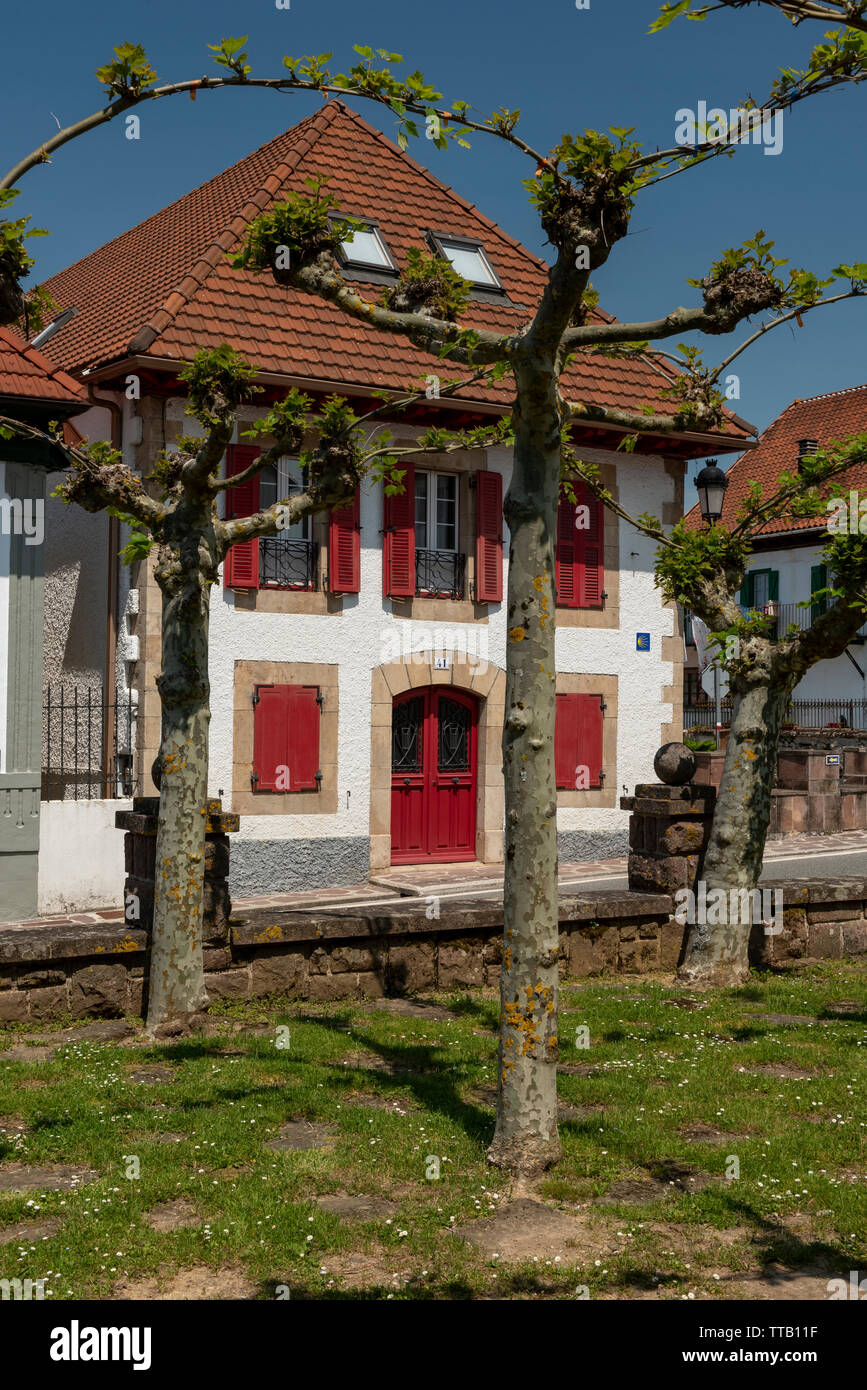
(178, 516)
(703, 569)
(584, 190)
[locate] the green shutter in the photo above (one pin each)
(818, 580)
(773, 586)
(747, 591)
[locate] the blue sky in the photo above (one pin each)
(564, 68)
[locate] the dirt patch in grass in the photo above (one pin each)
(701, 1133)
(372, 1269)
(28, 1054)
(371, 1061)
(27, 1232)
(528, 1230)
(415, 1008)
(152, 1076)
(373, 1102)
(783, 1282)
(846, 1006)
(56, 1177)
(666, 1176)
(578, 1069)
(177, 1215)
(356, 1207)
(784, 1071)
(200, 1282)
(781, 1020)
(302, 1134)
(633, 1190)
(11, 1127)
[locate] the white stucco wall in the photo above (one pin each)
(359, 639)
(81, 862)
(827, 680)
(5, 560)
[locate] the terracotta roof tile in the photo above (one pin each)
(26, 372)
(832, 416)
(165, 287)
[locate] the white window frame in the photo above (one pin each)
(443, 242)
(431, 520)
(348, 259)
(284, 467)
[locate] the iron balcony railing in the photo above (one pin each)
(285, 564)
(785, 615)
(440, 573)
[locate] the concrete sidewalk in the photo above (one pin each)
(466, 880)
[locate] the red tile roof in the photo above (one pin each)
(26, 373)
(826, 418)
(165, 288)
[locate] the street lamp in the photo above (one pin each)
(711, 485)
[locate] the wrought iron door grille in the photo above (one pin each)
(440, 573)
(406, 726)
(454, 737)
(288, 564)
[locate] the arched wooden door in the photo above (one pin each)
(433, 776)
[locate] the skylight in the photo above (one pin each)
(469, 260)
(368, 249)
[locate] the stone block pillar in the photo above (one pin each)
(668, 835)
(140, 843)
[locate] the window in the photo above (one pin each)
(287, 560)
(368, 250)
(421, 554)
(578, 742)
(580, 563)
(436, 511)
(286, 721)
(468, 259)
(439, 567)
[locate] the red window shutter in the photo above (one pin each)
(580, 567)
(591, 565)
(344, 548)
(578, 740)
(286, 738)
(489, 537)
(241, 565)
(398, 550)
(566, 564)
(565, 742)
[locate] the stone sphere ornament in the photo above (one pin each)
(674, 764)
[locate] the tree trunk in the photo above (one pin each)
(177, 980)
(718, 954)
(526, 1140)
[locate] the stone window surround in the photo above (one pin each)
(569, 683)
(249, 674)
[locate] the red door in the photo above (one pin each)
(433, 776)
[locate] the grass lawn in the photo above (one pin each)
(225, 1165)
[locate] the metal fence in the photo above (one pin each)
(807, 714)
(88, 744)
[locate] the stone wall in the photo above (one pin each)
(810, 796)
(55, 971)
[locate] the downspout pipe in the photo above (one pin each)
(116, 414)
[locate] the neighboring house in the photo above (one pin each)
(364, 651)
(787, 568)
(35, 392)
